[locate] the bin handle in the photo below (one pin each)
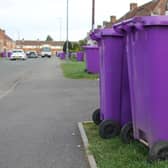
(95, 36)
(139, 26)
(128, 27)
(98, 35)
(130, 24)
(119, 28)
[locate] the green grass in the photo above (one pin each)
(73, 58)
(114, 154)
(75, 70)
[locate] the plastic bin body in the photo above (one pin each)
(92, 59)
(115, 85)
(115, 103)
(148, 68)
(4, 54)
(62, 55)
(9, 54)
(80, 56)
(96, 35)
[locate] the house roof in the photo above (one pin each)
(8, 38)
(36, 42)
(146, 9)
(5, 36)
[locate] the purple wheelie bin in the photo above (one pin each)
(92, 58)
(115, 110)
(148, 68)
(9, 54)
(96, 36)
(80, 56)
(62, 55)
(4, 54)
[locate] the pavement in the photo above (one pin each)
(39, 112)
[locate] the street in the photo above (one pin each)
(39, 111)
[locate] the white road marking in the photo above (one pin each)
(7, 92)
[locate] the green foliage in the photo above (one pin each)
(73, 57)
(113, 153)
(49, 38)
(69, 46)
(78, 46)
(82, 43)
(75, 47)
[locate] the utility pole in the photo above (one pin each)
(67, 45)
(93, 14)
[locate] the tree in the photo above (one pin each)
(82, 43)
(49, 38)
(69, 46)
(75, 47)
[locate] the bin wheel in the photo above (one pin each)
(96, 117)
(85, 70)
(109, 129)
(159, 151)
(127, 133)
(89, 72)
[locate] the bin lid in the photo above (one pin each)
(111, 32)
(90, 46)
(151, 20)
(139, 22)
(96, 34)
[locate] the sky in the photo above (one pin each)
(35, 19)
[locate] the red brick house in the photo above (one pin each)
(36, 45)
(6, 43)
(154, 7)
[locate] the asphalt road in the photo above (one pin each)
(39, 111)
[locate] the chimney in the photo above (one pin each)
(105, 23)
(1, 30)
(99, 26)
(113, 19)
(133, 6)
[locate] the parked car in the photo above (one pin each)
(32, 54)
(46, 52)
(18, 54)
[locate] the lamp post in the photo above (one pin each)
(93, 14)
(67, 27)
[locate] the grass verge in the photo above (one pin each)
(75, 70)
(114, 154)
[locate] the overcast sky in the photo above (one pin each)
(35, 19)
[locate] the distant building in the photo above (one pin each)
(28, 45)
(6, 43)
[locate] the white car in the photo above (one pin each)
(18, 54)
